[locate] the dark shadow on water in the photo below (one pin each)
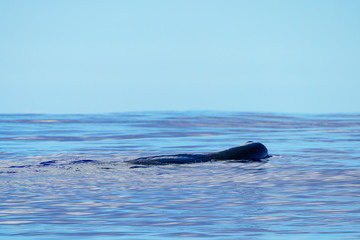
(84, 161)
(47, 163)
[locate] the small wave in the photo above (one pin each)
(84, 161)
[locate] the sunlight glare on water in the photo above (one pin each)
(66, 176)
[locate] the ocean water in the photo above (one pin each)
(65, 176)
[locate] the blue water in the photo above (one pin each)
(65, 176)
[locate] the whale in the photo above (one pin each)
(250, 151)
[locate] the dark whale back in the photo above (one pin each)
(247, 151)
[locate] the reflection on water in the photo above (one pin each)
(65, 176)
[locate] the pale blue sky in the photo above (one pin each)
(73, 56)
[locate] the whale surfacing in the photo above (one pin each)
(250, 151)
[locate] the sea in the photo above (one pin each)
(66, 176)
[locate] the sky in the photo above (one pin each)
(86, 56)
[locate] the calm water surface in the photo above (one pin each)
(64, 176)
